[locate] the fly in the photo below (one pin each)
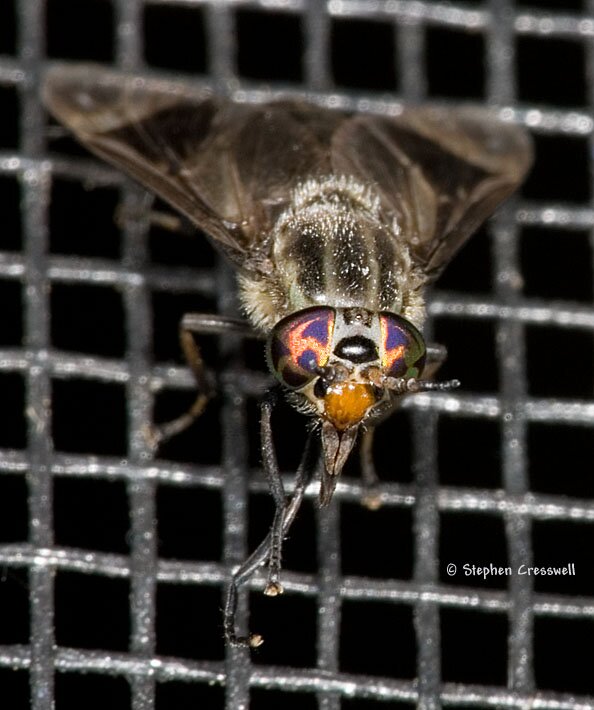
(336, 222)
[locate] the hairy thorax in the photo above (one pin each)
(333, 246)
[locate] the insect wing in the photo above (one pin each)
(229, 167)
(439, 172)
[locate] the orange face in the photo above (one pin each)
(346, 403)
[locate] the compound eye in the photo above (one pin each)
(300, 344)
(402, 349)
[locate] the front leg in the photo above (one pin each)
(264, 551)
(277, 489)
(198, 324)
(371, 498)
(436, 356)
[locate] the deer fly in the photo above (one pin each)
(336, 223)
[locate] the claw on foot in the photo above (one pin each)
(152, 436)
(372, 501)
(273, 589)
(255, 640)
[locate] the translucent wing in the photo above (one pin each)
(229, 167)
(440, 172)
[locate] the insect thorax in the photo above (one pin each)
(334, 246)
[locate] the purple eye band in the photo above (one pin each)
(319, 329)
(308, 360)
(395, 336)
(300, 344)
(403, 348)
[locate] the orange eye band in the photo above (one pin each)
(300, 344)
(402, 350)
(347, 403)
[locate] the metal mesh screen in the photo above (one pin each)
(114, 563)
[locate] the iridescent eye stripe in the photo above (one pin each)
(309, 341)
(394, 342)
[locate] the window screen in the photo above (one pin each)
(114, 560)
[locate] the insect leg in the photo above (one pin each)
(261, 554)
(198, 324)
(171, 222)
(436, 356)
(371, 498)
(277, 489)
(163, 219)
